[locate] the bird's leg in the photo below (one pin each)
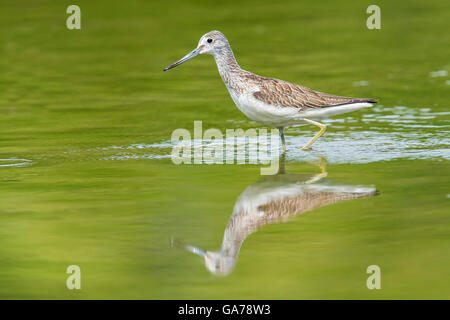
(323, 172)
(282, 166)
(317, 136)
(283, 141)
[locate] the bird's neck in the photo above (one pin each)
(227, 65)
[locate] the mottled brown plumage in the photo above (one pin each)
(270, 101)
(271, 201)
(286, 94)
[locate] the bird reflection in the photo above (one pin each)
(273, 200)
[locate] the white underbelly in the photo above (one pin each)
(266, 114)
(323, 113)
(276, 116)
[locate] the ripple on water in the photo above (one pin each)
(14, 162)
(386, 133)
(352, 147)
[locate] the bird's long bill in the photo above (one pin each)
(194, 250)
(187, 57)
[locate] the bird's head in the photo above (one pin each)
(216, 262)
(213, 42)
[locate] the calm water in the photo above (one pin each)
(86, 176)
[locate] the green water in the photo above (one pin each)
(86, 177)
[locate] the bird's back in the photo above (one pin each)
(285, 94)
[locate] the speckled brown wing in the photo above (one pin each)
(290, 206)
(285, 94)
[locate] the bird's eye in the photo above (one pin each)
(209, 40)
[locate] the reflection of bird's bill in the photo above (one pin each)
(194, 250)
(271, 200)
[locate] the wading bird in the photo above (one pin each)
(272, 102)
(273, 200)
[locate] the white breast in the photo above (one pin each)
(276, 116)
(264, 113)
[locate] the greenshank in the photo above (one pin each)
(270, 201)
(272, 102)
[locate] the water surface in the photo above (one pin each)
(86, 176)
